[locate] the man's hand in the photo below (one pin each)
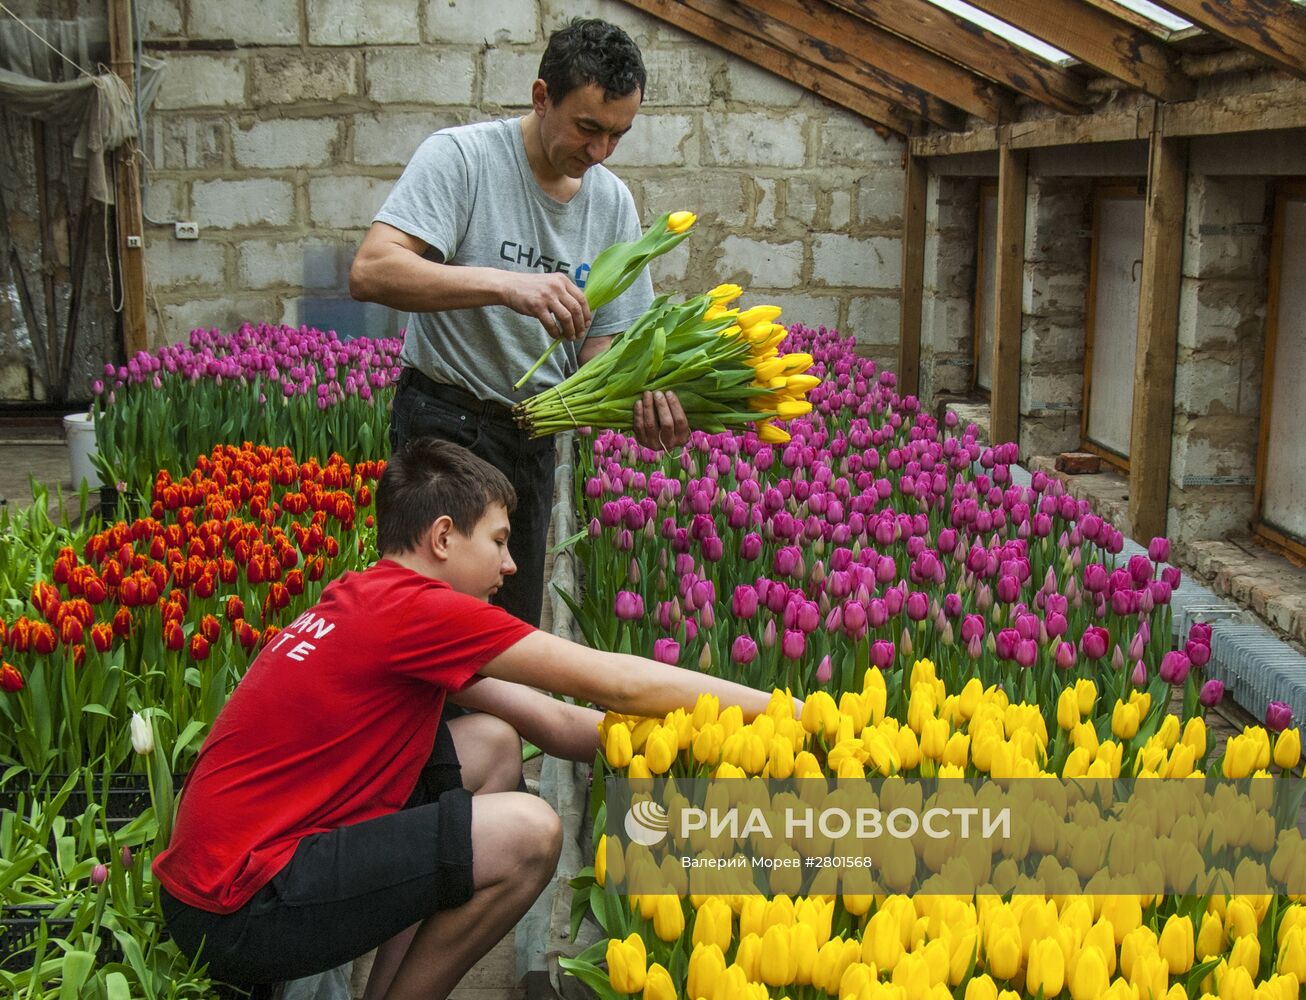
(659, 421)
(553, 299)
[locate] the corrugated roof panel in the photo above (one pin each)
(1159, 15)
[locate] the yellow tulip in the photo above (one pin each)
(1195, 735)
(1086, 692)
(1068, 709)
(1236, 984)
(934, 737)
(638, 768)
(618, 749)
(725, 294)
(882, 942)
(768, 433)
(1177, 945)
(807, 766)
(601, 861)
(758, 314)
(1047, 968)
(1246, 953)
(982, 987)
(1089, 978)
(678, 222)
(1124, 721)
(1210, 937)
(707, 965)
(749, 954)
(804, 947)
(776, 966)
(793, 409)
(1292, 955)
(627, 964)
(658, 984)
(660, 749)
(1150, 975)
(1002, 954)
(1287, 749)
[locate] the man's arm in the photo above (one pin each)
(628, 684)
(556, 727)
(389, 268)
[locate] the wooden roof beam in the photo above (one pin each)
(1122, 51)
(831, 36)
(980, 51)
(833, 87)
(1273, 29)
(778, 23)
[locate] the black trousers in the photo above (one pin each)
(423, 408)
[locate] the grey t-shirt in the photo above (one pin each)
(470, 195)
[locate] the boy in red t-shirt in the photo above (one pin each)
(332, 811)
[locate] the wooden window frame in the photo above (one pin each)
(987, 186)
(1114, 188)
(1294, 548)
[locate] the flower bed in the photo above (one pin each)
(941, 623)
(300, 388)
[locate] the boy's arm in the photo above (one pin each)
(559, 729)
(628, 684)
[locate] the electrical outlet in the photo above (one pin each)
(187, 230)
(133, 242)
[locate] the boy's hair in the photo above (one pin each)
(427, 479)
(592, 51)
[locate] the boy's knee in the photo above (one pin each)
(541, 832)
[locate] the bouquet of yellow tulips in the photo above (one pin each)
(723, 364)
(617, 267)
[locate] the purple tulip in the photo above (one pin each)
(1200, 632)
(691, 630)
(787, 561)
(750, 546)
(893, 600)
(974, 647)
(824, 670)
(1158, 549)
(1278, 716)
(744, 602)
(744, 650)
(1026, 652)
(1175, 667)
(125, 855)
(854, 619)
(629, 606)
(666, 651)
(952, 605)
(1007, 639)
(882, 651)
(794, 644)
(713, 548)
(1008, 589)
(877, 612)
(99, 874)
(1095, 578)
(768, 634)
(1026, 625)
(809, 617)
(1055, 625)
(972, 626)
(1212, 692)
(1198, 652)
(1139, 676)
(1136, 646)
(1094, 642)
(918, 606)
(1066, 657)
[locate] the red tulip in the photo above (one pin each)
(210, 628)
(102, 636)
(173, 636)
(199, 647)
(122, 623)
(10, 679)
(235, 608)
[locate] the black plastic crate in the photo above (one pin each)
(126, 796)
(20, 924)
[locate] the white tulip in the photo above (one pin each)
(142, 735)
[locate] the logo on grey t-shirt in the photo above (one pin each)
(517, 253)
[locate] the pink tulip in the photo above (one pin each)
(1278, 716)
(666, 651)
(1212, 692)
(629, 606)
(744, 650)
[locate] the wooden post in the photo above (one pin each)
(1004, 408)
(1158, 334)
(913, 276)
(127, 207)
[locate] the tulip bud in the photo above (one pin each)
(142, 735)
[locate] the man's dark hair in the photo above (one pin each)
(427, 479)
(592, 51)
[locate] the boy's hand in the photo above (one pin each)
(660, 422)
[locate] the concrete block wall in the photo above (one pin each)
(947, 306)
(1221, 357)
(282, 124)
(1058, 214)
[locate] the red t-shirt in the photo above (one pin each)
(331, 726)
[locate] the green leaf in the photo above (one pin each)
(77, 966)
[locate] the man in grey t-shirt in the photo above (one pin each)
(486, 240)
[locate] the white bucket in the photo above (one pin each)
(79, 429)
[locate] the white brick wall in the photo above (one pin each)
(281, 78)
(839, 260)
(478, 21)
(347, 22)
(247, 22)
(750, 84)
(509, 74)
(345, 202)
(297, 142)
(194, 263)
(679, 77)
(231, 204)
(752, 140)
(195, 81)
(760, 264)
(160, 18)
(873, 319)
(391, 138)
(655, 140)
(420, 76)
(295, 263)
(810, 310)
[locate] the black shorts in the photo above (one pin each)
(345, 891)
